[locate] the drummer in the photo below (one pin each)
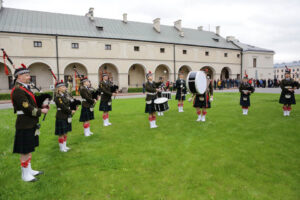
(162, 88)
(202, 101)
(181, 91)
(151, 90)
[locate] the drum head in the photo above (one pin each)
(160, 100)
(201, 82)
(197, 82)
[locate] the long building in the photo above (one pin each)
(125, 49)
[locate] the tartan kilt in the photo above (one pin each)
(284, 100)
(245, 103)
(62, 126)
(25, 141)
(86, 114)
(104, 106)
(202, 104)
(178, 96)
(150, 107)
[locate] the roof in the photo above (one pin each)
(38, 22)
(288, 64)
(247, 47)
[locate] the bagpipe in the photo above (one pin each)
(95, 93)
(114, 88)
(42, 99)
(73, 102)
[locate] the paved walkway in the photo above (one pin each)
(5, 104)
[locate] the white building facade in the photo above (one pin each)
(126, 50)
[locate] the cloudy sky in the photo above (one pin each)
(271, 24)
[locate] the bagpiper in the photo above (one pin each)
(63, 123)
(181, 91)
(87, 106)
(27, 123)
(162, 88)
(151, 91)
(246, 90)
(106, 101)
(203, 101)
(287, 96)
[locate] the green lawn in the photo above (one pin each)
(230, 156)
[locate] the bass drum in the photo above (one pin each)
(161, 104)
(197, 82)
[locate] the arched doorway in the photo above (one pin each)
(136, 75)
(210, 71)
(6, 82)
(184, 70)
(111, 70)
(162, 71)
(69, 71)
(225, 73)
(41, 75)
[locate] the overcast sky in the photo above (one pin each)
(270, 24)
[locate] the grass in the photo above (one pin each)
(230, 156)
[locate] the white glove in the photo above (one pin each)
(211, 99)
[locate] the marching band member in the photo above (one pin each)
(87, 108)
(203, 101)
(151, 89)
(63, 116)
(287, 97)
(245, 89)
(27, 127)
(105, 104)
(181, 91)
(159, 93)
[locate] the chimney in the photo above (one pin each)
(218, 30)
(1, 4)
(156, 24)
(125, 18)
(90, 14)
(200, 28)
(177, 25)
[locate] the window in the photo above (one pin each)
(108, 47)
(75, 45)
(225, 54)
(136, 48)
(184, 51)
(254, 62)
(216, 39)
(293, 70)
(207, 53)
(100, 28)
(281, 76)
(238, 55)
(298, 70)
(37, 44)
(162, 50)
(277, 70)
(282, 70)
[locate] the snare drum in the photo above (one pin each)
(161, 104)
(197, 82)
(166, 95)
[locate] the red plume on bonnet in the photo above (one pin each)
(24, 66)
